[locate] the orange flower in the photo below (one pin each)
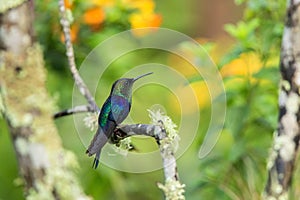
(94, 16)
(73, 33)
(68, 4)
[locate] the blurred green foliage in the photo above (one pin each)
(235, 169)
(10, 183)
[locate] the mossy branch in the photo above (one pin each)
(45, 166)
(286, 139)
(163, 130)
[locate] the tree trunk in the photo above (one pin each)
(27, 107)
(282, 158)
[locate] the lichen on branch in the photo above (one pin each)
(282, 159)
(45, 166)
(163, 130)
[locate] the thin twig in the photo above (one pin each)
(71, 111)
(70, 54)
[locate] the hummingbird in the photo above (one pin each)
(113, 112)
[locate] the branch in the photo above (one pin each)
(45, 166)
(282, 158)
(172, 188)
(71, 111)
(70, 54)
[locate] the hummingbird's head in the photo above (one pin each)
(123, 86)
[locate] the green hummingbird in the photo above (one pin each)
(113, 112)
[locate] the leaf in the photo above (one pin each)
(235, 53)
(244, 32)
(269, 73)
(236, 118)
(237, 151)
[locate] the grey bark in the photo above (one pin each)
(286, 139)
(173, 189)
(45, 166)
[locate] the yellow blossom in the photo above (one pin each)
(246, 65)
(103, 2)
(144, 6)
(141, 20)
(185, 99)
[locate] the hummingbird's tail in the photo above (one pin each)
(96, 160)
(96, 145)
(100, 139)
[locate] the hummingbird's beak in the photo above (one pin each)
(141, 76)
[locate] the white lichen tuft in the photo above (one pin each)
(41, 192)
(278, 189)
(8, 4)
(286, 85)
(271, 159)
(290, 124)
(38, 155)
(172, 189)
(170, 127)
(69, 16)
(70, 160)
(27, 119)
(21, 146)
(283, 196)
(91, 121)
(124, 146)
(273, 152)
(292, 103)
(297, 76)
(282, 98)
(286, 147)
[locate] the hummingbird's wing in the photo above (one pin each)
(103, 133)
(114, 111)
(120, 108)
(105, 110)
